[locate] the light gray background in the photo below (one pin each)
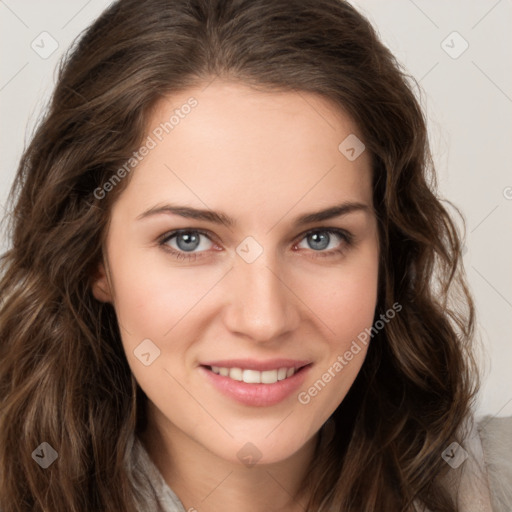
(468, 100)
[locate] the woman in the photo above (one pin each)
(231, 284)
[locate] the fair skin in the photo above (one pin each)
(263, 159)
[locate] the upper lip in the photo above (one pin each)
(253, 364)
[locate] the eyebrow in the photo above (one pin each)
(221, 218)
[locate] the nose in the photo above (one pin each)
(262, 305)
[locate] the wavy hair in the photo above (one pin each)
(64, 378)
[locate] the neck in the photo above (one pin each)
(204, 481)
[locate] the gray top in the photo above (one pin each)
(150, 482)
(486, 484)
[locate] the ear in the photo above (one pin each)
(101, 288)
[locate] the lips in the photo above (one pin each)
(256, 383)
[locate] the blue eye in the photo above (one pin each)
(187, 240)
(182, 243)
(320, 239)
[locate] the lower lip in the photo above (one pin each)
(257, 395)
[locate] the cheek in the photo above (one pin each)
(154, 304)
(345, 303)
(152, 296)
(344, 298)
(346, 309)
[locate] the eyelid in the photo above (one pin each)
(174, 232)
(328, 229)
(170, 234)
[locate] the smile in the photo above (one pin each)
(256, 388)
(254, 376)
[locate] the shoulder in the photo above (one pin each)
(480, 475)
(496, 438)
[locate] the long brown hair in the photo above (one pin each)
(64, 378)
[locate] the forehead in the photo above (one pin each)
(227, 144)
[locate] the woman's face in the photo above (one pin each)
(251, 285)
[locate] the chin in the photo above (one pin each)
(264, 449)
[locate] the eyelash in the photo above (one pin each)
(346, 237)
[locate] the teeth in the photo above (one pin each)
(251, 376)
(269, 376)
(235, 374)
(254, 376)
